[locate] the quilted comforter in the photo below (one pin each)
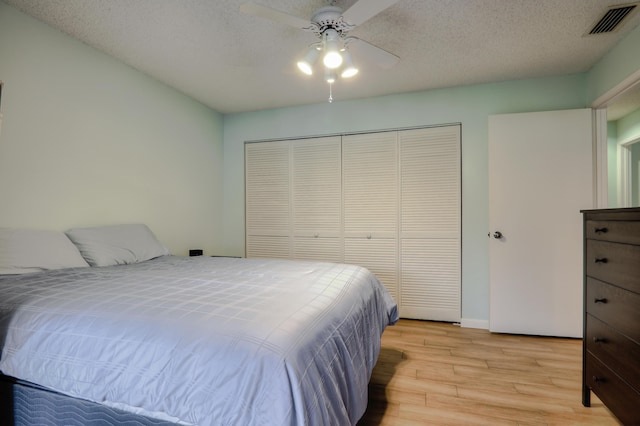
(206, 341)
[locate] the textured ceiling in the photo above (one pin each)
(235, 62)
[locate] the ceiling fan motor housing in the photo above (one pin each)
(329, 17)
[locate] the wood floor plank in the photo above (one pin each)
(479, 408)
(431, 373)
(445, 416)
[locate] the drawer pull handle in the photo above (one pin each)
(601, 260)
(600, 300)
(599, 340)
(597, 379)
(601, 230)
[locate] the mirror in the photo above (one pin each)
(623, 149)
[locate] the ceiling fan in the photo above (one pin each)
(331, 24)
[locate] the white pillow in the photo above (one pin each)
(116, 244)
(34, 250)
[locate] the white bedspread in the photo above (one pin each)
(207, 341)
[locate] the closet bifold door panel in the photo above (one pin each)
(388, 201)
(370, 204)
(267, 201)
(316, 182)
(430, 223)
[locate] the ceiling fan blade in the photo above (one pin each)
(363, 10)
(374, 53)
(275, 15)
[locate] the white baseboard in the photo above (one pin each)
(474, 323)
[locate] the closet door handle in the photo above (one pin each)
(599, 379)
(599, 340)
(601, 230)
(601, 260)
(600, 300)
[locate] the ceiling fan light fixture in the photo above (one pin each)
(349, 69)
(306, 63)
(329, 76)
(305, 68)
(349, 72)
(331, 24)
(332, 57)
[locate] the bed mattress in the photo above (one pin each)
(23, 404)
(201, 340)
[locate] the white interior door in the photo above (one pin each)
(540, 177)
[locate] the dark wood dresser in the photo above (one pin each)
(611, 348)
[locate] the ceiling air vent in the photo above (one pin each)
(613, 18)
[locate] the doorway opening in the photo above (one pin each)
(617, 133)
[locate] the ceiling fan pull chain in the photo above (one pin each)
(330, 93)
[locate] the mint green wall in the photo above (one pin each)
(624, 130)
(629, 127)
(619, 63)
(469, 105)
(629, 130)
(635, 174)
(86, 140)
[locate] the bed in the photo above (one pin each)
(161, 339)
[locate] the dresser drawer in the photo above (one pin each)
(618, 231)
(615, 350)
(614, 263)
(617, 307)
(618, 396)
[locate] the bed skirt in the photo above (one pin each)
(22, 404)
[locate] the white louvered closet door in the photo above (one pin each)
(267, 198)
(430, 223)
(370, 204)
(317, 199)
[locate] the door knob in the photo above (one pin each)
(497, 235)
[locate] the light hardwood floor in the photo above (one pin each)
(431, 373)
